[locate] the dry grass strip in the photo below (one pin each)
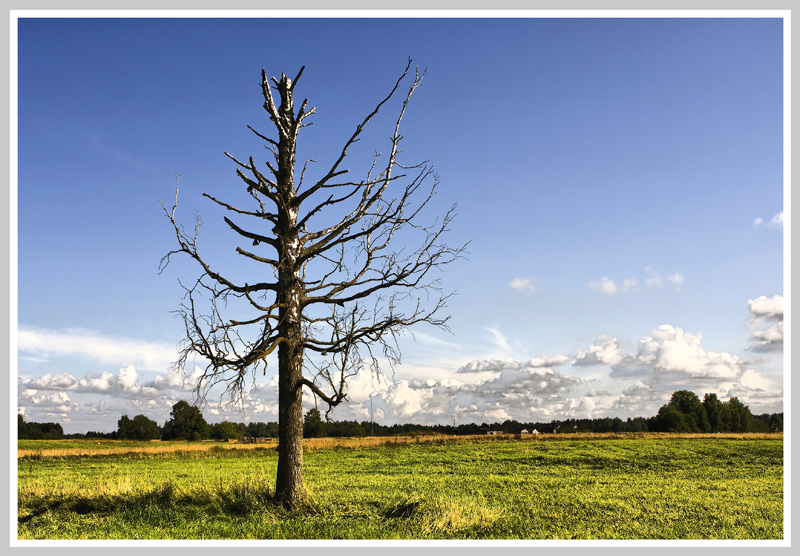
(323, 444)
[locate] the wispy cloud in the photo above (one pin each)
(86, 343)
(653, 280)
(774, 222)
(499, 340)
(629, 284)
(676, 280)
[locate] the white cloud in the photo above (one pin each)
(638, 400)
(605, 351)
(548, 361)
(498, 366)
(124, 384)
(61, 381)
(681, 353)
(513, 389)
(766, 307)
(604, 285)
(668, 358)
(106, 349)
(629, 284)
(523, 284)
(595, 393)
(676, 280)
(760, 393)
(499, 340)
(755, 381)
(767, 310)
(653, 280)
(487, 390)
(48, 407)
(770, 338)
(774, 222)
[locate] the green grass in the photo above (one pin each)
(643, 488)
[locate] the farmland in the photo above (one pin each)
(634, 486)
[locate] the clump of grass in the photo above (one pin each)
(245, 497)
(437, 514)
(448, 516)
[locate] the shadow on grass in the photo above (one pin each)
(236, 500)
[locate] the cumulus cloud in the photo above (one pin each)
(768, 339)
(61, 381)
(669, 355)
(604, 351)
(759, 392)
(126, 383)
(766, 307)
(638, 400)
(513, 389)
(595, 393)
(604, 285)
(767, 310)
(49, 406)
(680, 352)
(482, 390)
(523, 284)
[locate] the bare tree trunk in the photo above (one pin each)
(289, 490)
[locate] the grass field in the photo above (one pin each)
(565, 487)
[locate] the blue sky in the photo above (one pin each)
(621, 182)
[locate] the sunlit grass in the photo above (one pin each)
(440, 487)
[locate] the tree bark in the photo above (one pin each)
(289, 489)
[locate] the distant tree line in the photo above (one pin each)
(38, 431)
(684, 412)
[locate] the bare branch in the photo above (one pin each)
(334, 171)
(263, 137)
(257, 238)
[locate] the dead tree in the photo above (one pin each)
(337, 297)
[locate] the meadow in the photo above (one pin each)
(634, 486)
